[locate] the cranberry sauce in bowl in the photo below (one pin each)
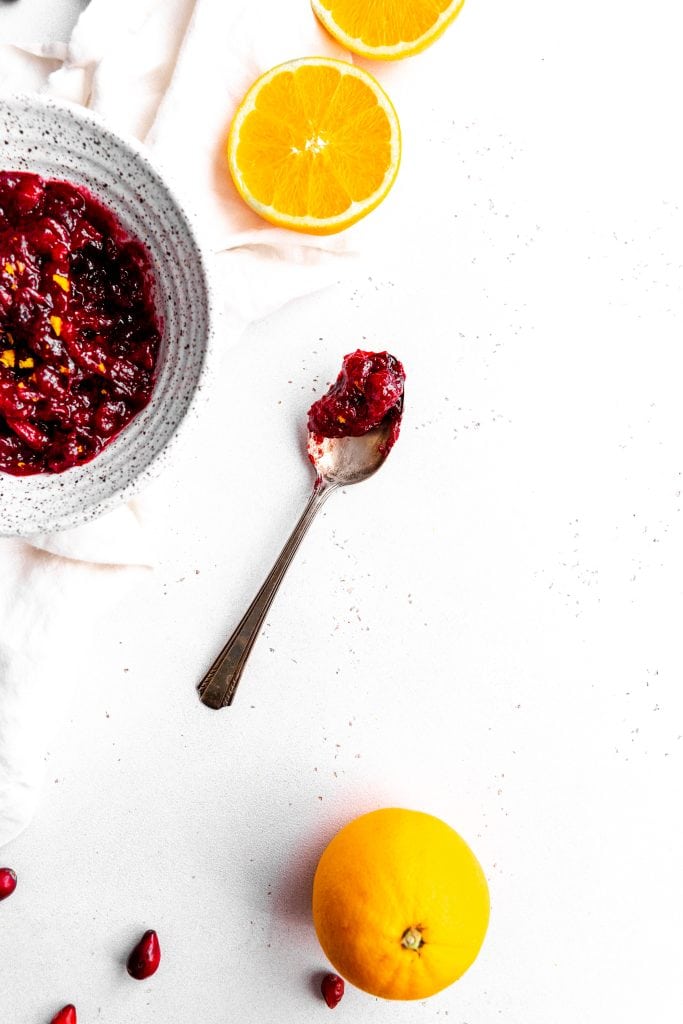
(141, 316)
(79, 337)
(367, 393)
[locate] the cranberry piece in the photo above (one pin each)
(50, 381)
(143, 354)
(88, 354)
(67, 1015)
(66, 454)
(145, 957)
(383, 389)
(36, 439)
(64, 204)
(50, 239)
(109, 417)
(332, 988)
(10, 452)
(28, 194)
(14, 402)
(126, 377)
(8, 882)
(56, 409)
(85, 233)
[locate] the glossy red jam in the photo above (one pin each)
(368, 392)
(79, 337)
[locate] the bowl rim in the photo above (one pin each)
(156, 464)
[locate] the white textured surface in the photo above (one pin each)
(488, 630)
(31, 21)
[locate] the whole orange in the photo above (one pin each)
(400, 904)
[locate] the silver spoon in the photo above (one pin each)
(338, 461)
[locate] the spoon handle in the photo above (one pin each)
(217, 688)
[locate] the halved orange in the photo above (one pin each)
(386, 29)
(315, 145)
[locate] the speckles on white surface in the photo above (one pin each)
(62, 141)
(425, 648)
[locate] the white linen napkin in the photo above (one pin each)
(49, 589)
(169, 72)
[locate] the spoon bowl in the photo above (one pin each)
(348, 460)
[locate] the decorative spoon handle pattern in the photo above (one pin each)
(217, 688)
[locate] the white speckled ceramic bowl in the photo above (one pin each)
(57, 140)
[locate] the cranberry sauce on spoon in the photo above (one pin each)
(79, 337)
(367, 393)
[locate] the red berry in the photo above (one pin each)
(67, 1015)
(33, 436)
(28, 194)
(8, 882)
(332, 988)
(144, 959)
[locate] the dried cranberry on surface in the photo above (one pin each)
(67, 1015)
(332, 988)
(145, 957)
(8, 882)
